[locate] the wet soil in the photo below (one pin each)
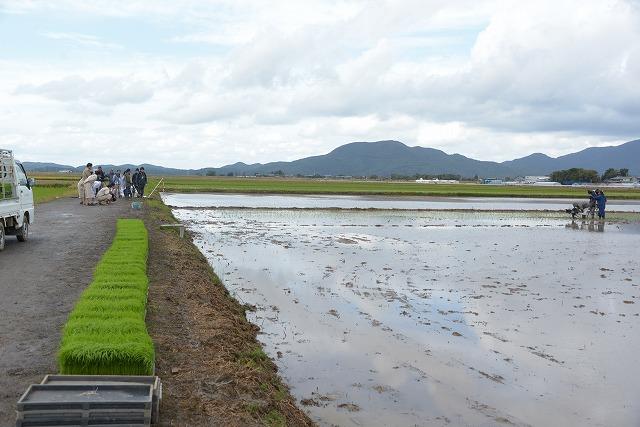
(40, 281)
(213, 369)
(438, 318)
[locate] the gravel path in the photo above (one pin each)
(40, 281)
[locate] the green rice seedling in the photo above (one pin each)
(107, 356)
(89, 326)
(102, 294)
(114, 306)
(105, 333)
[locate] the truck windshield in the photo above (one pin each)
(22, 176)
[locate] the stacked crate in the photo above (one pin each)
(96, 400)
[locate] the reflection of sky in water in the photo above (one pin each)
(381, 202)
(365, 308)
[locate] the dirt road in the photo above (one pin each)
(40, 281)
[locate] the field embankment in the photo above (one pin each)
(269, 185)
(212, 366)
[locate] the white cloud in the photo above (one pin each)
(107, 91)
(488, 79)
(82, 39)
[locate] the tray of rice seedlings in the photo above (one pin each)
(105, 333)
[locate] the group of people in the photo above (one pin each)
(98, 187)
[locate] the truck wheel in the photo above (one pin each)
(23, 232)
(2, 237)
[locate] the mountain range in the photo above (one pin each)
(386, 158)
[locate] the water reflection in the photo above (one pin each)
(587, 225)
(277, 201)
(437, 318)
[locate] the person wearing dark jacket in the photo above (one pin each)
(601, 201)
(128, 182)
(142, 181)
(100, 174)
(134, 180)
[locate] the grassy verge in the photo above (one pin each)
(106, 333)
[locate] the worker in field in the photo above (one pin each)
(601, 201)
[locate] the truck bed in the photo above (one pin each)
(6, 192)
(9, 201)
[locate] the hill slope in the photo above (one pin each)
(385, 158)
(382, 158)
(626, 155)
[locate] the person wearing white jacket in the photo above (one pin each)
(81, 190)
(89, 194)
(122, 184)
(85, 173)
(104, 195)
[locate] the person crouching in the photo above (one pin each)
(105, 195)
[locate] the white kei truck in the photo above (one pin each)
(16, 199)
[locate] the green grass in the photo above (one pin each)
(42, 194)
(218, 184)
(256, 358)
(274, 419)
(45, 191)
(105, 333)
(389, 188)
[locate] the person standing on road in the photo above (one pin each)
(88, 170)
(142, 181)
(85, 174)
(100, 174)
(134, 180)
(121, 184)
(128, 181)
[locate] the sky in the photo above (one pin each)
(195, 83)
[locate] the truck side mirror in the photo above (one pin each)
(31, 182)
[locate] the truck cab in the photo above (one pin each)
(16, 199)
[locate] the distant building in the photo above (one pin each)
(492, 181)
(623, 180)
(65, 171)
(533, 178)
(437, 181)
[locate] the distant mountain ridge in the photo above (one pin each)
(626, 155)
(386, 158)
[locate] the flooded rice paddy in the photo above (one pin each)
(383, 202)
(402, 318)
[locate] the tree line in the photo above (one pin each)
(574, 175)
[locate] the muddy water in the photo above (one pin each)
(382, 202)
(403, 318)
